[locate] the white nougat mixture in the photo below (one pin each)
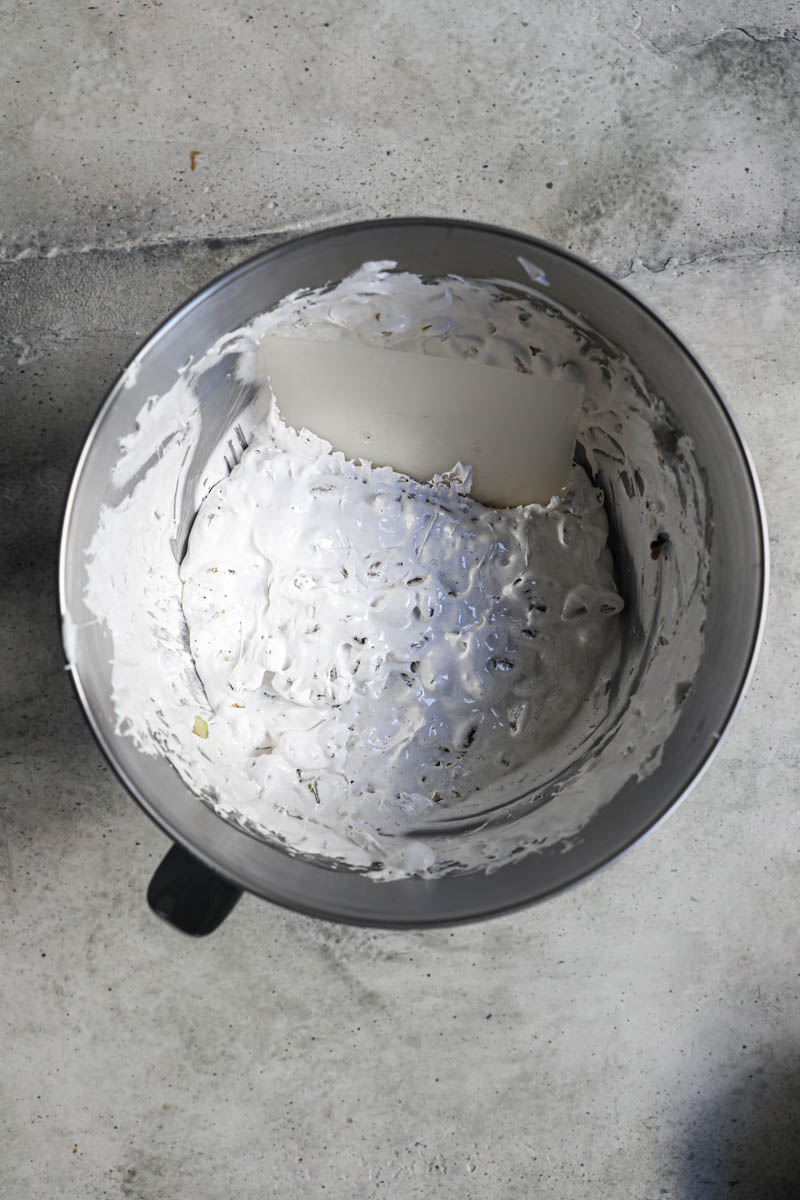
(372, 647)
(346, 661)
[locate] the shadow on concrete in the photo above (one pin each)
(745, 1139)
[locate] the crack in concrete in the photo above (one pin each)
(759, 36)
(786, 35)
(634, 264)
(637, 265)
(213, 240)
(754, 34)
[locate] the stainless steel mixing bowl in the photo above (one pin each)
(213, 859)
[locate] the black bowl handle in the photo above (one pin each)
(189, 895)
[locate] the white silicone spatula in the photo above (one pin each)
(421, 414)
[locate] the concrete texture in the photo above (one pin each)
(637, 1038)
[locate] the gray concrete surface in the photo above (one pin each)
(637, 1038)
